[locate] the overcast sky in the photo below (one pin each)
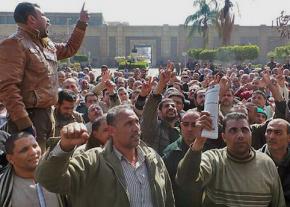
(158, 12)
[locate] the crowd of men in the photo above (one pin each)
(70, 138)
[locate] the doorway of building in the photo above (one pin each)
(144, 50)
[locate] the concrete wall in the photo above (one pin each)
(168, 42)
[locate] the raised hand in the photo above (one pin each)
(281, 80)
(106, 75)
(198, 143)
(84, 16)
(273, 85)
(146, 87)
(204, 121)
(110, 86)
(170, 66)
(225, 85)
(266, 78)
(73, 134)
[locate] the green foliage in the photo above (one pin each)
(246, 52)
(208, 54)
(257, 65)
(226, 54)
(80, 58)
(280, 52)
(200, 20)
(132, 62)
(129, 65)
(194, 53)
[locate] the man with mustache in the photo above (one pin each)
(159, 115)
(126, 172)
(277, 147)
(236, 175)
(64, 112)
(28, 70)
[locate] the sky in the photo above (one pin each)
(158, 12)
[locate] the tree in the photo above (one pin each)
(283, 25)
(225, 22)
(206, 14)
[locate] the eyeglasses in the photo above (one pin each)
(186, 124)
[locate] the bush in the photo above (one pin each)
(80, 58)
(226, 54)
(208, 54)
(238, 53)
(194, 53)
(280, 52)
(246, 52)
(140, 65)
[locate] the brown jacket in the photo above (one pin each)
(28, 70)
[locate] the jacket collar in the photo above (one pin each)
(286, 160)
(33, 33)
(179, 145)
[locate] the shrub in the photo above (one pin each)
(280, 52)
(208, 54)
(227, 54)
(194, 53)
(80, 58)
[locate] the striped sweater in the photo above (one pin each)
(230, 182)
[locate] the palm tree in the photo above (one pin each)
(206, 14)
(225, 22)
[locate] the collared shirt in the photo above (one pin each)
(137, 179)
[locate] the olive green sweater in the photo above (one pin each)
(230, 182)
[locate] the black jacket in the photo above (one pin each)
(284, 173)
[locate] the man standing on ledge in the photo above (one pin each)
(28, 70)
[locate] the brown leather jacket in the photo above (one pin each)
(28, 70)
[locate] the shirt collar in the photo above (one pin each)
(140, 154)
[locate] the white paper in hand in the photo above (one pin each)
(211, 105)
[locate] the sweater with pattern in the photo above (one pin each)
(227, 181)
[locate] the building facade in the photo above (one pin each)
(103, 42)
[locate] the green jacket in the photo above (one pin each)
(95, 178)
(172, 154)
(158, 134)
